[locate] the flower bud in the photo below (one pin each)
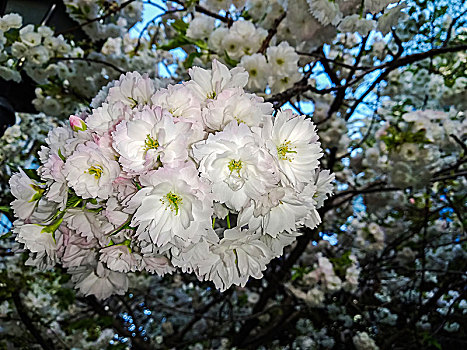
(77, 123)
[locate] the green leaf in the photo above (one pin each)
(299, 272)
(12, 35)
(180, 26)
(174, 43)
(5, 209)
(189, 60)
(340, 264)
(61, 155)
(201, 44)
(6, 235)
(32, 174)
(73, 200)
(231, 62)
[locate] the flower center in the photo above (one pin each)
(172, 201)
(284, 149)
(134, 103)
(235, 165)
(95, 170)
(211, 95)
(150, 143)
(280, 61)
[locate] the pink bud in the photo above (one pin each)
(77, 123)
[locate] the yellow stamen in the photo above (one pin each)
(173, 201)
(95, 170)
(235, 165)
(150, 143)
(284, 149)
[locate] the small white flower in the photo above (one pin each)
(216, 37)
(29, 37)
(258, 71)
(282, 59)
(354, 23)
(200, 27)
(391, 18)
(280, 83)
(10, 20)
(325, 11)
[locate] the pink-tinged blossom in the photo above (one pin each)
(157, 264)
(90, 172)
(119, 258)
(133, 89)
(236, 165)
(208, 84)
(124, 188)
(113, 212)
(104, 119)
(174, 202)
(37, 239)
(75, 250)
(27, 193)
(183, 105)
(151, 139)
(234, 104)
(240, 255)
(135, 185)
(89, 224)
(98, 280)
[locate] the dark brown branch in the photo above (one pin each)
(451, 27)
(271, 32)
(303, 86)
(108, 14)
(90, 60)
(205, 11)
(459, 141)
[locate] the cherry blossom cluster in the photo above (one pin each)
(51, 60)
(298, 26)
(198, 176)
(411, 146)
(28, 47)
(116, 16)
